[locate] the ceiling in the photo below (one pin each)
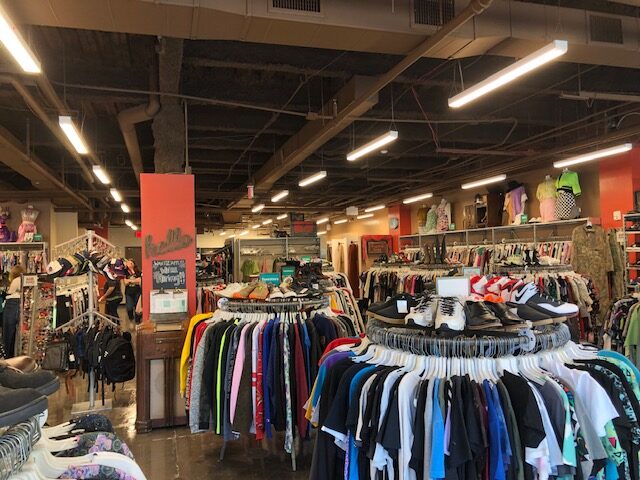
(245, 100)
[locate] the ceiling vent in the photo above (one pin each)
(433, 12)
(298, 6)
(605, 29)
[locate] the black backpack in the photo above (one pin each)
(118, 361)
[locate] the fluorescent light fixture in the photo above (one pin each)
(125, 208)
(509, 74)
(222, 233)
(374, 144)
(320, 221)
(133, 227)
(101, 174)
(322, 232)
(70, 130)
(257, 208)
(313, 178)
(233, 235)
(244, 232)
(16, 46)
(342, 220)
(417, 198)
(373, 209)
(279, 196)
(128, 222)
(365, 215)
(486, 181)
(116, 195)
(268, 221)
(256, 226)
(587, 157)
(282, 217)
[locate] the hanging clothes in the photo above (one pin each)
(353, 268)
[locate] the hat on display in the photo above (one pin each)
(54, 268)
(66, 266)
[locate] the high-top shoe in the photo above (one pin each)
(424, 313)
(450, 314)
(528, 294)
(18, 405)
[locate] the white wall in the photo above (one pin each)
(65, 227)
(123, 237)
(209, 240)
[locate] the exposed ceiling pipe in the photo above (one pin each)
(127, 119)
(37, 108)
(281, 163)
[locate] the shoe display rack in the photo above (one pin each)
(286, 247)
(631, 242)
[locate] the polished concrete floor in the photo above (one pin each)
(174, 453)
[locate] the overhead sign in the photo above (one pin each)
(169, 274)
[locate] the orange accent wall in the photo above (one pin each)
(619, 177)
(168, 201)
(403, 214)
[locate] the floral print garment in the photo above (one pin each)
(96, 472)
(97, 442)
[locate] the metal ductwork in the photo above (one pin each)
(127, 120)
(511, 28)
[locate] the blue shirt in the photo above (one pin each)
(437, 436)
(496, 461)
(352, 467)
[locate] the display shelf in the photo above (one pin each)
(633, 249)
(23, 245)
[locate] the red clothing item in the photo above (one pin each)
(200, 328)
(259, 391)
(336, 343)
(302, 389)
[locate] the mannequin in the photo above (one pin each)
(27, 228)
(568, 189)
(5, 233)
(432, 220)
(443, 212)
(515, 202)
(546, 195)
(422, 219)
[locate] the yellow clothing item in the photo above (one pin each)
(186, 350)
(546, 190)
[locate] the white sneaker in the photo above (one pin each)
(230, 289)
(528, 294)
(450, 314)
(422, 314)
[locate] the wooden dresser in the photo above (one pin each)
(158, 399)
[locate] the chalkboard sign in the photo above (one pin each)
(169, 274)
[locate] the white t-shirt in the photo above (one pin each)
(14, 288)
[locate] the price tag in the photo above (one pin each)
(72, 357)
(401, 305)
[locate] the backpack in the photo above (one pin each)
(118, 361)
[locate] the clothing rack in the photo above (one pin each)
(16, 445)
(268, 307)
(491, 344)
(88, 242)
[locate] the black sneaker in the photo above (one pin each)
(480, 317)
(509, 320)
(411, 302)
(18, 405)
(390, 312)
(528, 293)
(529, 314)
(43, 381)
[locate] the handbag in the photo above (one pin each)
(56, 357)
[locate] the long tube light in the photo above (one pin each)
(125, 208)
(279, 196)
(133, 227)
(322, 232)
(268, 221)
(485, 181)
(509, 74)
(365, 215)
(257, 208)
(116, 195)
(417, 198)
(256, 226)
(243, 233)
(373, 209)
(101, 174)
(16, 46)
(342, 220)
(233, 235)
(70, 130)
(128, 222)
(320, 221)
(587, 157)
(222, 233)
(374, 144)
(282, 217)
(313, 178)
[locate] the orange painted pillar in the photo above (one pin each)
(168, 229)
(399, 215)
(619, 178)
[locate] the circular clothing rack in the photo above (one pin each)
(467, 344)
(296, 304)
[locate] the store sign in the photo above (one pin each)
(288, 271)
(175, 240)
(169, 274)
(272, 278)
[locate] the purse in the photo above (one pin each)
(56, 357)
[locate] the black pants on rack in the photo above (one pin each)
(10, 320)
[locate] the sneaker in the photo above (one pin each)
(395, 310)
(18, 405)
(479, 316)
(528, 294)
(411, 302)
(43, 381)
(260, 292)
(450, 314)
(244, 292)
(529, 314)
(508, 319)
(275, 294)
(230, 289)
(423, 314)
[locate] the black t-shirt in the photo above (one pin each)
(116, 294)
(459, 449)
(133, 289)
(417, 448)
